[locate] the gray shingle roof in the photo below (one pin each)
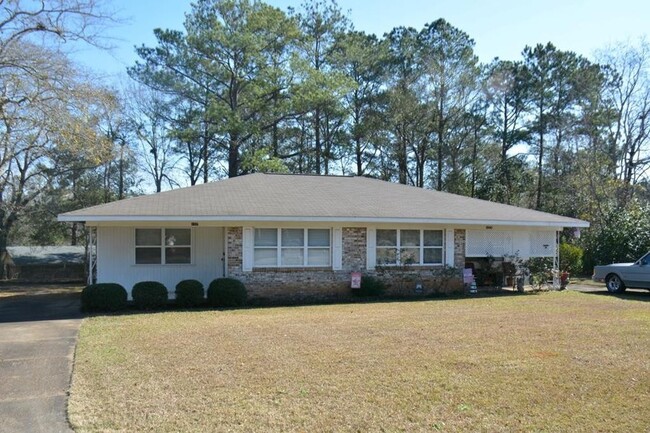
(274, 197)
(46, 255)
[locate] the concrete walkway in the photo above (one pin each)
(37, 339)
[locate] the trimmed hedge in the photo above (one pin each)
(370, 286)
(103, 297)
(149, 295)
(189, 293)
(227, 292)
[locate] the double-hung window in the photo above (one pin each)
(409, 247)
(292, 247)
(163, 246)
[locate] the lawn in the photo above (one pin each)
(551, 362)
(8, 290)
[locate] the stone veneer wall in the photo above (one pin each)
(459, 248)
(320, 284)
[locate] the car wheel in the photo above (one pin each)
(614, 284)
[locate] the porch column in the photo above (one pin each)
(91, 254)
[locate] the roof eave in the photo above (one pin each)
(271, 218)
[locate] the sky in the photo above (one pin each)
(500, 28)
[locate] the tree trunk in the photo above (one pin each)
(204, 155)
(233, 156)
(4, 234)
(540, 164)
(402, 161)
(317, 138)
(120, 194)
(74, 237)
(441, 137)
(474, 161)
(359, 156)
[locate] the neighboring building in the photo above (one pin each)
(46, 264)
(301, 236)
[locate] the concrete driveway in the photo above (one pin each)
(37, 339)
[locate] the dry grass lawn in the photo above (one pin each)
(552, 362)
(10, 290)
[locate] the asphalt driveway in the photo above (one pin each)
(37, 339)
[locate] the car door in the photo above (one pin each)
(638, 275)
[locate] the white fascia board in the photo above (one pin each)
(248, 218)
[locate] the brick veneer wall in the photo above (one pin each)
(234, 254)
(295, 284)
(319, 284)
(459, 248)
(354, 248)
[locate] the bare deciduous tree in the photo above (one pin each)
(148, 117)
(46, 105)
(629, 134)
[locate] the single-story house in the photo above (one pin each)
(302, 236)
(52, 263)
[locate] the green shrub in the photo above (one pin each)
(370, 286)
(103, 297)
(571, 258)
(540, 270)
(619, 235)
(540, 265)
(227, 292)
(149, 295)
(189, 293)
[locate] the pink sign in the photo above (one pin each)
(356, 280)
(468, 276)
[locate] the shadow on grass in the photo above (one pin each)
(265, 303)
(36, 302)
(629, 295)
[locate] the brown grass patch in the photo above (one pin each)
(8, 290)
(586, 281)
(551, 362)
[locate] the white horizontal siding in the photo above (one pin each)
(499, 243)
(116, 259)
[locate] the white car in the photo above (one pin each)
(619, 276)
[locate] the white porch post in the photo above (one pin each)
(91, 254)
(556, 262)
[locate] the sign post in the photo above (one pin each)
(355, 280)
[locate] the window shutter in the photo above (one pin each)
(371, 249)
(247, 249)
(337, 250)
(449, 247)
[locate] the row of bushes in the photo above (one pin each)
(370, 286)
(152, 295)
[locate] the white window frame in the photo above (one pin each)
(162, 246)
(421, 247)
(305, 247)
